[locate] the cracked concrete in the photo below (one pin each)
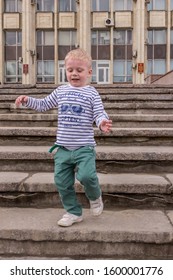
(110, 183)
(129, 230)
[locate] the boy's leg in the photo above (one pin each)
(64, 180)
(86, 173)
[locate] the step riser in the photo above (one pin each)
(118, 124)
(114, 141)
(111, 201)
(103, 166)
(106, 96)
(152, 167)
(109, 111)
(85, 250)
(119, 190)
(29, 123)
(141, 124)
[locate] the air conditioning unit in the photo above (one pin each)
(109, 22)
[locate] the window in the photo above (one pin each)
(12, 6)
(100, 52)
(122, 71)
(171, 5)
(100, 45)
(120, 5)
(122, 56)
(45, 5)
(13, 52)
(66, 42)
(100, 5)
(45, 56)
(67, 5)
(62, 79)
(45, 71)
(157, 5)
(156, 52)
(171, 49)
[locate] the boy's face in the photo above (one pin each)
(77, 72)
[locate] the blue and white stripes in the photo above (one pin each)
(78, 108)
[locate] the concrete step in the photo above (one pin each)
(119, 136)
(109, 95)
(117, 100)
(112, 107)
(32, 120)
(23, 189)
(109, 159)
(118, 234)
(10, 108)
(103, 89)
(119, 120)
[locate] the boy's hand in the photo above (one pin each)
(106, 125)
(22, 99)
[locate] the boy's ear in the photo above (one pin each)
(90, 71)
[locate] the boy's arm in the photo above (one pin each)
(100, 116)
(41, 105)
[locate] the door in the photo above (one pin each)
(103, 72)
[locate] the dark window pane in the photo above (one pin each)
(159, 51)
(129, 52)
(39, 53)
(62, 51)
(48, 52)
(19, 52)
(119, 52)
(171, 51)
(149, 52)
(10, 53)
(104, 52)
(94, 52)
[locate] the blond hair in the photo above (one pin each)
(79, 54)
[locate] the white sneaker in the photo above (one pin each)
(96, 206)
(68, 219)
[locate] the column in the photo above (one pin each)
(139, 39)
(28, 42)
(84, 25)
(1, 45)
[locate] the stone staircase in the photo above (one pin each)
(135, 168)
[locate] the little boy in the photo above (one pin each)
(79, 105)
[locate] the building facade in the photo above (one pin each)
(127, 39)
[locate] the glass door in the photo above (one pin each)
(103, 72)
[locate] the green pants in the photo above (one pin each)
(82, 163)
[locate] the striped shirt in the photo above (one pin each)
(78, 108)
